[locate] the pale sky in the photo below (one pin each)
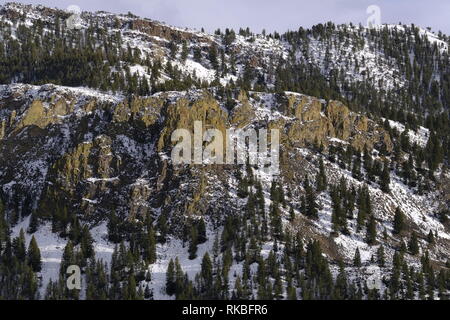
(279, 15)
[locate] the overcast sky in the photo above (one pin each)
(279, 15)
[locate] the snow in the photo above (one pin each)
(194, 68)
(173, 249)
(349, 244)
(139, 70)
(379, 69)
(39, 92)
(434, 39)
(418, 209)
(95, 180)
(420, 136)
(266, 107)
(90, 201)
(103, 248)
(51, 247)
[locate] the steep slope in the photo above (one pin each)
(79, 153)
(86, 166)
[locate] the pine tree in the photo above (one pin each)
(413, 244)
(356, 169)
(193, 243)
(201, 227)
(34, 256)
(380, 256)
(150, 246)
(3, 224)
(163, 228)
(338, 217)
(364, 206)
(357, 259)
(242, 188)
(385, 179)
(67, 257)
(367, 161)
(321, 178)
(113, 228)
(148, 294)
(276, 222)
(197, 55)
(371, 231)
(184, 51)
(212, 55)
(19, 246)
(170, 278)
(86, 243)
(34, 223)
(399, 221)
(206, 274)
(311, 204)
(430, 237)
(291, 214)
(130, 291)
(75, 230)
(292, 293)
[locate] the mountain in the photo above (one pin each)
(358, 209)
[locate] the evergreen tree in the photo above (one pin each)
(201, 227)
(413, 244)
(150, 246)
(67, 258)
(184, 51)
(113, 228)
(291, 214)
(430, 237)
(19, 246)
(399, 221)
(371, 231)
(385, 179)
(321, 178)
(34, 255)
(86, 243)
(380, 256)
(357, 259)
(170, 278)
(206, 274)
(212, 55)
(311, 204)
(34, 223)
(193, 243)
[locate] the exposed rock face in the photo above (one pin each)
(183, 113)
(103, 154)
(145, 111)
(2, 129)
(243, 114)
(339, 116)
(153, 28)
(98, 153)
(67, 153)
(42, 115)
(317, 121)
